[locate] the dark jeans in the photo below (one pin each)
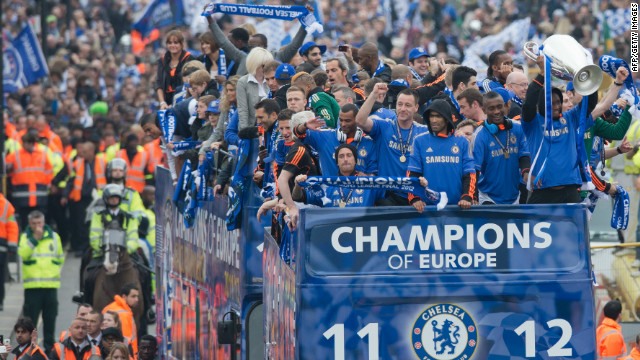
(43, 301)
(567, 195)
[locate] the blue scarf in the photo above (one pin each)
(222, 67)
(378, 69)
(610, 66)
(184, 196)
(307, 18)
(167, 121)
(400, 82)
(453, 98)
(186, 145)
(583, 160)
(403, 184)
(517, 100)
(415, 74)
(620, 214)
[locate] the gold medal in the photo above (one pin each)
(506, 154)
(342, 203)
(403, 158)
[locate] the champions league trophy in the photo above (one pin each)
(569, 61)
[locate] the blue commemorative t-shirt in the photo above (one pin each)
(331, 196)
(385, 134)
(442, 161)
(326, 141)
(559, 148)
(499, 177)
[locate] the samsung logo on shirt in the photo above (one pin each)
(442, 159)
(557, 132)
(500, 152)
(489, 236)
(397, 146)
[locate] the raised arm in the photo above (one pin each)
(230, 51)
(288, 52)
(612, 94)
(362, 118)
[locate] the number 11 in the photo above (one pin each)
(337, 330)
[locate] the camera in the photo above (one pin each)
(3, 348)
(343, 48)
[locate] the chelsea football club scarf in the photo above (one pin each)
(403, 184)
(620, 214)
(610, 66)
(167, 120)
(307, 18)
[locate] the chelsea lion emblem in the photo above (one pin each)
(455, 149)
(363, 152)
(444, 331)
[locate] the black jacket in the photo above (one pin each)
(281, 96)
(441, 107)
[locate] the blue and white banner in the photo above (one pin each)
(403, 184)
(618, 20)
(159, 14)
(288, 12)
(517, 33)
(620, 213)
(610, 66)
(24, 62)
(186, 145)
(167, 119)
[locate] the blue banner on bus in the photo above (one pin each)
(495, 282)
(198, 276)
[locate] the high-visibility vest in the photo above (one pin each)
(8, 225)
(156, 157)
(633, 135)
(31, 176)
(41, 260)
(65, 353)
(610, 342)
(78, 179)
(29, 351)
(135, 169)
(120, 306)
(10, 130)
(100, 168)
(633, 355)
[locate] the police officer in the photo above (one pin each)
(113, 221)
(42, 258)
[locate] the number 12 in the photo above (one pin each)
(529, 330)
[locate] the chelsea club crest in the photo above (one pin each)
(444, 331)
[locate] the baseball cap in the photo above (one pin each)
(214, 107)
(285, 72)
(306, 46)
(51, 18)
(417, 52)
(570, 86)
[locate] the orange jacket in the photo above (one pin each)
(610, 340)
(634, 355)
(135, 169)
(9, 130)
(8, 226)
(120, 306)
(100, 168)
(156, 156)
(64, 351)
(31, 176)
(30, 351)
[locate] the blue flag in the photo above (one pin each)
(159, 14)
(24, 62)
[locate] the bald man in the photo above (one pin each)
(372, 64)
(518, 83)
